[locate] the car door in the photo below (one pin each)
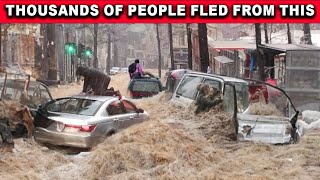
(116, 111)
(132, 112)
(229, 103)
(187, 90)
(52, 108)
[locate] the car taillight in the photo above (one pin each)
(87, 128)
(84, 128)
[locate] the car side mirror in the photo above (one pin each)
(140, 111)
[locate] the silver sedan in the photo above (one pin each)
(84, 121)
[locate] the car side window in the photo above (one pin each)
(56, 106)
(115, 108)
(188, 87)
(129, 107)
(213, 83)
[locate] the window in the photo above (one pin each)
(188, 87)
(213, 83)
(129, 107)
(75, 106)
(115, 108)
(143, 86)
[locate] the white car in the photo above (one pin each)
(114, 70)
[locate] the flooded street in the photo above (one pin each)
(173, 144)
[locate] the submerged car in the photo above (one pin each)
(84, 121)
(144, 87)
(173, 78)
(266, 115)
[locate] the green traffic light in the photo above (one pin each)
(70, 48)
(88, 53)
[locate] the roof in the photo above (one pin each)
(95, 98)
(225, 78)
(289, 47)
(238, 44)
(223, 59)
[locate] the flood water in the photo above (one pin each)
(172, 144)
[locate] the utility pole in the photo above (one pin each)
(189, 33)
(171, 45)
(159, 50)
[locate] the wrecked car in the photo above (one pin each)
(84, 121)
(19, 98)
(144, 87)
(265, 114)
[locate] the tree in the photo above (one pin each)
(171, 45)
(51, 52)
(5, 41)
(259, 56)
(159, 50)
(109, 54)
(44, 62)
(289, 34)
(95, 46)
(265, 26)
(203, 46)
(306, 34)
(189, 33)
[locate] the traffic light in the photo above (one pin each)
(81, 50)
(70, 48)
(88, 52)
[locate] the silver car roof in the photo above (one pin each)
(225, 78)
(95, 98)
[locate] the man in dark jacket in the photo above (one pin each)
(208, 98)
(93, 79)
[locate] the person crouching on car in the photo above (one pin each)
(93, 79)
(208, 98)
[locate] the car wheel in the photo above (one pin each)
(110, 133)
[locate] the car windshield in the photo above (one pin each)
(84, 107)
(268, 101)
(146, 86)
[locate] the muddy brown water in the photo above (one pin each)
(172, 144)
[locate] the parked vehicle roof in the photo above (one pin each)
(225, 78)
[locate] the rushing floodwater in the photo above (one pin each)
(173, 144)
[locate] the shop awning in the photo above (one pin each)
(223, 59)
